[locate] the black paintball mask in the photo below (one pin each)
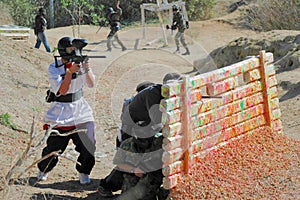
(175, 8)
(70, 55)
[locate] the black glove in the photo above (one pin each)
(101, 22)
(187, 24)
(167, 27)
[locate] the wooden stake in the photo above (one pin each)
(265, 86)
(186, 122)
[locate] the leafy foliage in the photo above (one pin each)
(264, 15)
(199, 9)
(22, 11)
(68, 12)
(4, 120)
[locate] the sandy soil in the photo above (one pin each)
(23, 88)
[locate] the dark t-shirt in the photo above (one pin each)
(40, 23)
(145, 105)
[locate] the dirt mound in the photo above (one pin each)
(284, 45)
(24, 82)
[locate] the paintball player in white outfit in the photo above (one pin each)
(69, 110)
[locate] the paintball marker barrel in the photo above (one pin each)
(209, 97)
(76, 59)
(79, 59)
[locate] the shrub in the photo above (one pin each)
(274, 14)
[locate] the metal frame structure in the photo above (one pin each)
(158, 8)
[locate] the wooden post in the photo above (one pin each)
(265, 85)
(171, 18)
(51, 13)
(162, 27)
(186, 122)
(158, 3)
(143, 21)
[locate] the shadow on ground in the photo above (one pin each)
(293, 90)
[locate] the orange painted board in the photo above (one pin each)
(171, 89)
(171, 117)
(172, 130)
(172, 142)
(225, 135)
(172, 181)
(173, 155)
(277, 125)
(276, 114)
(170, 104)
(225, 72)
(254, 75)
(238, 93)
(173, 168)
(222, 112)
(217, 88)
(175, 102)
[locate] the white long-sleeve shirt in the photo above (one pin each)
(67, 113)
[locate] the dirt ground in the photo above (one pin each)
(24, 82)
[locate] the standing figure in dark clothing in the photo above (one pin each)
(122, 135)
(138, 171)
(180, 23)
(39, 30)
(113, 18)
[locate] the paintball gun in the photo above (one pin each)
(78, 57)
(173, 27)
(187, 25)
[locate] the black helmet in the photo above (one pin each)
(42, 11)
(110, 10)
(175, 8)
(143, 85)
(171, 76)
(62, 45)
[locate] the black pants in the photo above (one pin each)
(118, 180)
(84, 146)
(114, 181)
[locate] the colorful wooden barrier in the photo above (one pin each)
(194, 125)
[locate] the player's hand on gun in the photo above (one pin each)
(86, 64)
(75, 67)
(173, 27)
(187, 25)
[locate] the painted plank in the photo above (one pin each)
(172, 181)
(225, 72)
(217, 88)
(172, 130)
(254, 75)
(173, 155)
(173, 168)
(172, 142)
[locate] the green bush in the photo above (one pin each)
(199, 9)
(23, 11)
(274, 14)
